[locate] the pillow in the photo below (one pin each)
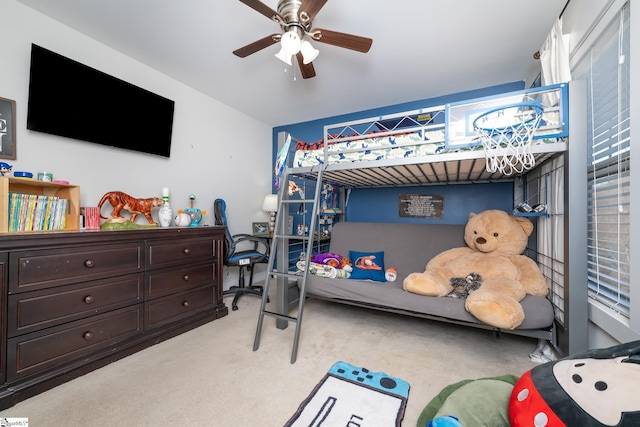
(479, 402)
(367, 265)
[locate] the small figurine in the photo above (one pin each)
(194, 213)
(120, 201)
(5, 168)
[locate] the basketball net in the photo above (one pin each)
(506, 134)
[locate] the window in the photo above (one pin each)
(606, 68)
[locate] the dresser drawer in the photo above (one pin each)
(177, 252)
(39, 351)
(30, 311)
(172, 280)
(47, 268)
(162, 311)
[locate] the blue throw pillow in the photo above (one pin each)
(367, 265)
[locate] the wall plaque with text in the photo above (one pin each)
(421, 206)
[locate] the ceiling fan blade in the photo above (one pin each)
(247, 50)
(347, 41)
(263, 9)
(306, 70)
(309, 8)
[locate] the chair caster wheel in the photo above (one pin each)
(234, 307)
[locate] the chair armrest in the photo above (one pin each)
(260, 244)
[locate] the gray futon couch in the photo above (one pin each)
(408, 248)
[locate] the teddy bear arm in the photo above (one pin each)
(530, 276)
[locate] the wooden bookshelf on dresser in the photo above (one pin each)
(74, 301)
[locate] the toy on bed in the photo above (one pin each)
(334, 260)
(495, 243)
(463, 286)
(328, 265)
(589, 389)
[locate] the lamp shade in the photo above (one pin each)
(270, 203)
(309, 53)
(290, 43)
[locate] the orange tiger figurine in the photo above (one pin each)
(120, 201)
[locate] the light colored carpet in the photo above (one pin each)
(211, 376)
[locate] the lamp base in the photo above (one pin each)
(272, 222)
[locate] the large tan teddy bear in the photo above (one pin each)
(495, 243)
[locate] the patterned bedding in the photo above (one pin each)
(375, 148)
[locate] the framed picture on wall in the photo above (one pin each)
(7, 129)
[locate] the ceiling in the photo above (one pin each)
(421, 49)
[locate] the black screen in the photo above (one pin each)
(69, 99)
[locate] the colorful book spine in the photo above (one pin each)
(32, 212)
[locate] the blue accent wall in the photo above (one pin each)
(382, 204)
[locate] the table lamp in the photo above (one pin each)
(270, 205)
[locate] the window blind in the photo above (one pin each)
(606, 69)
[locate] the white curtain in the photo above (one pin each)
(554, 59)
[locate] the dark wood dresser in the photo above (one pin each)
(72, 302)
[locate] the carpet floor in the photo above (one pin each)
(211, 376)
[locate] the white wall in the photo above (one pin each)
(209, 145)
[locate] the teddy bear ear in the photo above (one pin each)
(525, 223)
(472, 214)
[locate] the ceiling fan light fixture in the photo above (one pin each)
(291, 42)
(282, 56)
(309, 53)
(290, 45)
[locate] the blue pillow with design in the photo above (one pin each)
(367, 265)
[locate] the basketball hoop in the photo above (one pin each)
(506, 135)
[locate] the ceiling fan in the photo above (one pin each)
(295, 18)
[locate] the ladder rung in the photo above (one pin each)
(305, 237)
(280, 316)
(277, 274)
(297, 201)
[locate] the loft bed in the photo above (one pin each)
(438, 145)
(434, 145)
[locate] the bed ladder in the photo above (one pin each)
(280, 250)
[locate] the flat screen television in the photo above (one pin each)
(69, 99)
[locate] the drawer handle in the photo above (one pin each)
(185, 277)
(89, 263)
(89, 299)
(186, 251)
(88, 336)
(185, 304)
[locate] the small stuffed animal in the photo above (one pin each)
(120, 201)
(463, 286)
(5, 168)
(391, 274)
(333, 260)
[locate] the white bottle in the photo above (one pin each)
(165, 214)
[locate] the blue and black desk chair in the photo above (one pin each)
(243, 251)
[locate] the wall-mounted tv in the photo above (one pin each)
(69, 99)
